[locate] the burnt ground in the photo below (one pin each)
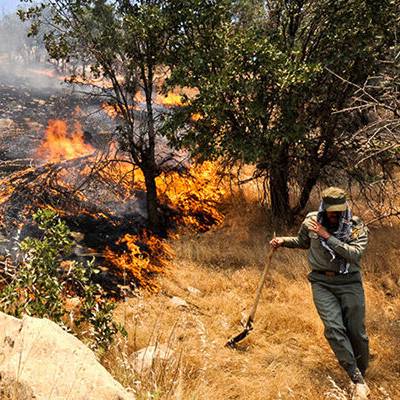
(28, 100)
(27, 104)
(95, 214)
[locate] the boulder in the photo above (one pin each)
(49, 363)
(194, 291)
(143, 360)
(178, 302)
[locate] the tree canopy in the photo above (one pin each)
(271, 85)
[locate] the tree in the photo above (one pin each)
(266, 93)
(126, 43)
(373, 153)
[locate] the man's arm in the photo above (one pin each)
(352, 251)
(301, 241)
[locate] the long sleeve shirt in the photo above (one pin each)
(319, 257)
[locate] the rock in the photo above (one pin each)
(6, 123)
(143, 359)
(4, 245)
(177, 301)
(49, 363)
(194, 291)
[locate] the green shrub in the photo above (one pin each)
(43, 284)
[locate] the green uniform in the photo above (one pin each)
(339, 298)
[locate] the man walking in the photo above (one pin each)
(336, 241)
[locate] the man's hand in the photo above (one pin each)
(315, 226)
(276, 242)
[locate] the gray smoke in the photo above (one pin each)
(24, 60)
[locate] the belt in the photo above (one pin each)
(332, 273)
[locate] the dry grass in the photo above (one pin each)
(286, 357)
(14, 391)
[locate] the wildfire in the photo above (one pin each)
(114, 110)
(144, 257)
(59, 144)
(189, 199)
(170, 100)
(193, 195)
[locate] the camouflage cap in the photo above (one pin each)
(334, 199)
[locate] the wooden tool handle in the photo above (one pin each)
(260, 286)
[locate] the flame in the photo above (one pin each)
(196, 117)
(59, 144)
(195, 195)
(192, 198)
(113, 110)
(110, 110)
(146, 255)
(170, 100)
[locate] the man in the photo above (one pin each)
(336, 241)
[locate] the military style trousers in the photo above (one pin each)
(340, 303)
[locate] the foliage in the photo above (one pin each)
(267, 94)
(43, 285)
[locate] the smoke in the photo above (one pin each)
(24, 60)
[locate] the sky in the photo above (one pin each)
(9, 5)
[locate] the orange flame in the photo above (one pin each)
(194, 195)
(196, 117)
(170, 100)
(114, 110)
(145, 256)
(59, 144)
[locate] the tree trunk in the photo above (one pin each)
(152, 201)
(148, 156)
(279, 189)
(307, 188)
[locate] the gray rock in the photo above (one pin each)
(178, 302)
(144, 359)
(194, 291)
(52, 364)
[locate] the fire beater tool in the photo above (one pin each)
(248, 327)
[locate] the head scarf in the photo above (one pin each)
(343, 233)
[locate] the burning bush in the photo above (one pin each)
(144, 257)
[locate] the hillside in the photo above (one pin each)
(286, 356)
